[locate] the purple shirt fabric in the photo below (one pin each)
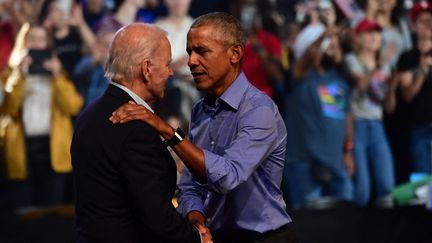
(243, 137)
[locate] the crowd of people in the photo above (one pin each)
(351, 79)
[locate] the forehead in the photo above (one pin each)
(164, 49)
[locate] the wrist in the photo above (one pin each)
(175, 138)
(167, 132)
(196, 217)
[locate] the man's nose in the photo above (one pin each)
(193, 60)
(171, 71)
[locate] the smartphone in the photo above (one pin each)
(66, 6)
(38, 58)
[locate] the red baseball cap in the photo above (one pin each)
(420, 7)
(367, 25)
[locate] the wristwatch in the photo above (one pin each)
(177, 138)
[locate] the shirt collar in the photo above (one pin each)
(134, 96)
(234, 94)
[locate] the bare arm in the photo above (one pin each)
(411, 83)
(77, 19)
(390, 100)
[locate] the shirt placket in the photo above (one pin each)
(214, 127)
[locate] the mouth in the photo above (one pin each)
(197, 74)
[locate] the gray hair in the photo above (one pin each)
(124, 59)
(226, 25)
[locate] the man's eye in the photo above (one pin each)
(201, 50)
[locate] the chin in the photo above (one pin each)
(201, 87)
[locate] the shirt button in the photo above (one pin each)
(212, 142)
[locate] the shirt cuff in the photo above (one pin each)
(193, 204)
(215, 168)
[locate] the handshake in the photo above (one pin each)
(198, 220)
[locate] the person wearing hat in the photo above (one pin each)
(415, 67)
(319, 146)
(421, 13)
(373, 158)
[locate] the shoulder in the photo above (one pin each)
(256, 102)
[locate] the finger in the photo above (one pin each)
(132, 110)
(126, 107)
(132, 115)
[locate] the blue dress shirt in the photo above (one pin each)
(243, 137)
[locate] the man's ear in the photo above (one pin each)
(236, 52)
(145, 69)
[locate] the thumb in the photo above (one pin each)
(131, 102)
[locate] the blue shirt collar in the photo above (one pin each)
(234, 94)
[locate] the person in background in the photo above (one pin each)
(395, 28)
(94, 10)
(124, 12)
(90, 69)
(415, 67)
(7, 32)
(71, 33)
(235, 155)
(263, 50)
(372, 155)
(40, 101)
(319, 159)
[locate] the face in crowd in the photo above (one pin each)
(37, 38)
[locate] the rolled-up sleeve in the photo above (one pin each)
(192, 194)
(253, 143)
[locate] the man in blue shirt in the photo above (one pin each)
(235, 154)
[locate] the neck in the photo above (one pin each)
(228, 80)
(368, 58)
(126, 13)
(61, 32)
(138, 87)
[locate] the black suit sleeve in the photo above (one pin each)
(150, 179)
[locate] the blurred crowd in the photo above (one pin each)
(352, 78)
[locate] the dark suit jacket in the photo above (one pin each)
(125, 179)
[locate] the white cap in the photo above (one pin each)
(306, 37)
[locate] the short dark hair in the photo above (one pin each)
(226, 24)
